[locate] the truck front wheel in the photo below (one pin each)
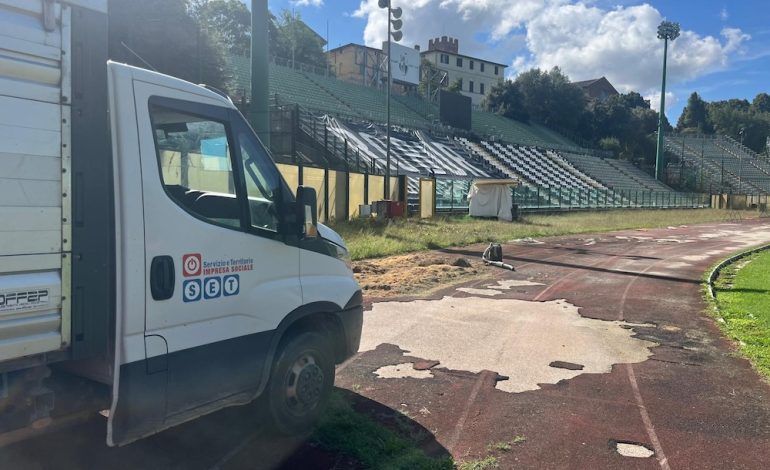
(301, 383)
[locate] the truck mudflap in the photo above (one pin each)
(161, 392)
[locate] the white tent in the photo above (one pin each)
(492, 198)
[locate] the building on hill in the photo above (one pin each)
(598, 88)
(354, 63)
(367, 66)
(476, 76)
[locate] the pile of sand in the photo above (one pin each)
(408, 274)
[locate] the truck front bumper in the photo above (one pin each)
(352, 320)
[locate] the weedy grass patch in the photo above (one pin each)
(371, 239)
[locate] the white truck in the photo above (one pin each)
(154, 265)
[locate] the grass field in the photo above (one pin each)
(372, 444)
(368, 239)
(377, 446)
(743, 302)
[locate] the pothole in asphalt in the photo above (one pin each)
(496, 289)
(475, 291)
(515, 338)
(402, 371)
(670, 328)
(526, 241)
(632, 449)
(507, 284)
(566, 365)
(695, 257)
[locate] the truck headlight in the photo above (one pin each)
(344, 256)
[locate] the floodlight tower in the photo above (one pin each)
(667, 31)
(394, 33)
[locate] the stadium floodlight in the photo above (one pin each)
(667, 31)
(394, 34)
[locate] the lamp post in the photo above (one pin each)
(259, 108)
(667, 31)
(394, 33)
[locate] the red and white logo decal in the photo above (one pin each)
(191, 264)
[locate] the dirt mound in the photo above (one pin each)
(409, 274)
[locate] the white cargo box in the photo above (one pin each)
(35, 207)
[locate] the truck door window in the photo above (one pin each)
(196, 168)
(262, 183)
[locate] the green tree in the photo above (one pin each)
(297, 42)
(761, 103)
(695, 116)
(431, 79)
(610, 143)
(730, 116)
(228, 21)
(456, 86)
(164, 35)
(551, 99)
(626, 119)
(506, 99)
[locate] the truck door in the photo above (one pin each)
(218, 276)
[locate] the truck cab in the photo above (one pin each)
(188, 275)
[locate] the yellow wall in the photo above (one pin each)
(290, 173)
(356, 194)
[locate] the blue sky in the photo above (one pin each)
(724, 51)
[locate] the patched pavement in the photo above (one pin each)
(596, 350)
(595, 353)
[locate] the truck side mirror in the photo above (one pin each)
(307, 211)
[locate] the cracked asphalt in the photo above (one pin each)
(472, 365)
(693, 402)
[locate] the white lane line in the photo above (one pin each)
(662, 460)
(461, 422)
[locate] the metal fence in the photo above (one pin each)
(546, 198)
(452, 194)
(757, 201)
(341, 193)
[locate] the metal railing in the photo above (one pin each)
(549, 198)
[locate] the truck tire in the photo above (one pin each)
(301, 382)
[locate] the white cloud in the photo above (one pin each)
(724, 15)
(735, 39)
(654, 98)
(461, 19)
(585, 40)
(307, 3)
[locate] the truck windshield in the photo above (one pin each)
(262, 183)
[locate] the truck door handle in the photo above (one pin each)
(162, 277)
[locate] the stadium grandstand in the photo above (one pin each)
(341, 125)
(720, 164)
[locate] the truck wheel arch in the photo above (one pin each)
(316, 316)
